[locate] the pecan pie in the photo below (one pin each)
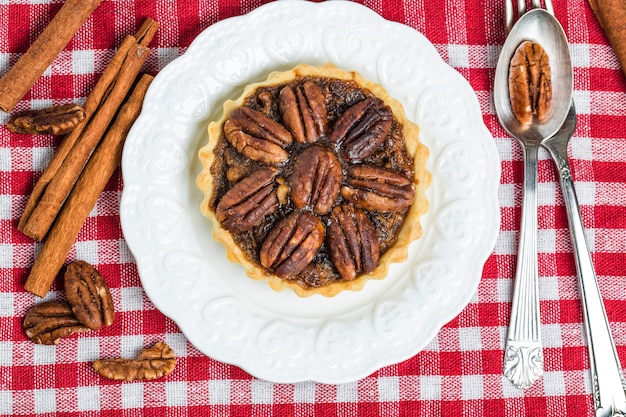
(314, 180)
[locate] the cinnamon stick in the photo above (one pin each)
(55, 37)
(96, 98)
(611, 15)
(101, 166)
(61, 184)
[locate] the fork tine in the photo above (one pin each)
(549, 7)
(508, 14)
(521, 7)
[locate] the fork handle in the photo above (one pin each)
(523, 357)
(606, 372)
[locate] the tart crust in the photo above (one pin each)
(411, 228)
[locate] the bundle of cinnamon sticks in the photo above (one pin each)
(68, 189)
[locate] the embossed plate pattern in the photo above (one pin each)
(279, 336)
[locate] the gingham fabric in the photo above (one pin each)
(458, 373)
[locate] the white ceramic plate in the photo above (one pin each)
(279, 336)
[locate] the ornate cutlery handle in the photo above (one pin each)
(523, 357)
(606, 372)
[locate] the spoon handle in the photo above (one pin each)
(523, 357)
(606, 372)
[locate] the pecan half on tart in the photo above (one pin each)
(314, 180)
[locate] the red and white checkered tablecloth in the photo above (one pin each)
(458, 373)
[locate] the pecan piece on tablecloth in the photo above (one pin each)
(292, 244)
(362, 129)
(378, 189)
(152, 363)
(352, 241)
(251, 199)
(316, 179)
(530, 82)
(257, 136)
(48, 322)
(304, 111)
(88, 294)
(57, 120)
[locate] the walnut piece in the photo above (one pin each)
(378, 189)
(304, 111)
(292, 244)
(57, 120)
(257, 136)
(352, 241)
(251, 199)
(46, 323)
(316, 179)
(530, 82)
(152, 363)
(89, 295)
(362, 129)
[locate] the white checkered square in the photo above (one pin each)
(88, 398)
(6, 353)
(178, 343)
(88, 349)
(546, 193)
(582, 100)
(131, 346)
(132, 395)
(551, 336)
(131, 298)
(304, 392)
(469, 338)
(546, 241)
(458, 56)
(5, 159)
(506, 244)
(40, 158)
(176, 393)
(262, 392)
(554, 383)
(219, 392)
(7, 300)
(506, 195)
(6, 403)
(166, 55)
(45, 401)
(6, 207)
(87, 251)
(6, 256)
(586, 193)
(389, 389)
(44, 354)
(348, 392)
(472, 387)
(430, 387)
(83, 62)
(549, 288)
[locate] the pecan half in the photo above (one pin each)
(530, 82)
(352, 241)
(152, 363)
(57, 120)
(378, 189)
(257, 136)
(304, 111)
(362, 128)
(316, 179)
(89, 295)
(292, 244)
(46, 323)
(251, 199)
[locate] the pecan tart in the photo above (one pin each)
(314, 180)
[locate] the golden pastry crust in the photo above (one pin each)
(410, 229)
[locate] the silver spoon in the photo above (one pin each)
(523, 358)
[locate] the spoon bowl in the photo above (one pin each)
(539, 26)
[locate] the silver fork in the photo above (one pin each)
(607, 380)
